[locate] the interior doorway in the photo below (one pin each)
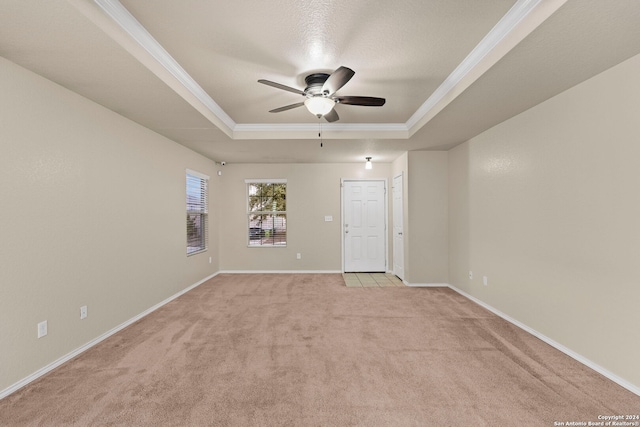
(398, 228)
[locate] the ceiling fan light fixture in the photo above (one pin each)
(368, 164)
(319, 105)
(320, 91)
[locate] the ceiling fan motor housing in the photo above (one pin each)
(314, 83)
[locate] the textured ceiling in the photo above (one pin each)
(405, 52)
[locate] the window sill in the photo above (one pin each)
(197, 252)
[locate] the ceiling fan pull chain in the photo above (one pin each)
(320, 131)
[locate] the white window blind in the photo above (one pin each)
(197, 212)
(267, 212)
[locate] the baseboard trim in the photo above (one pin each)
(280, 272)
(426, 285)
(588, 363)
(51, 366)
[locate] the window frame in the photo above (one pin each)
(249, 212)
(202, 212)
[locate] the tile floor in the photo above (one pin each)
(371, 280)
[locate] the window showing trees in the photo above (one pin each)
(197, 212)
(267, 212)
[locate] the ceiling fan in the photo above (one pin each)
(320, 94)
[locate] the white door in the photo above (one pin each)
(398, 237)
(364, 223)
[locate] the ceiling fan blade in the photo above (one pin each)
(279, 86)
(332, 116)
(287, 107)
(368, 101)
(339, 78)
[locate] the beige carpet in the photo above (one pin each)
(305, 350)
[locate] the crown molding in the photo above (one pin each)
(126, 21)
(329, 131)
(523, 18)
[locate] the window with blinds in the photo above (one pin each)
(197, 212)
(267, 212)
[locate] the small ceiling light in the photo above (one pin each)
(368, 165)
(319, 105)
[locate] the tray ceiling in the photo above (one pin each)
(188, 70)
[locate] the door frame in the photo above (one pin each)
(386, 217)
(393, 231)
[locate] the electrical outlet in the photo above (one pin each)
(485, 281)
(298, 255)
(209, 260)
(42, 329)
(470, 275)
(83, 312)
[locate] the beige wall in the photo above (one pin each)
(427, 184)
(91, 213)
(547, 205)
(425, 216)
(313, 192)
